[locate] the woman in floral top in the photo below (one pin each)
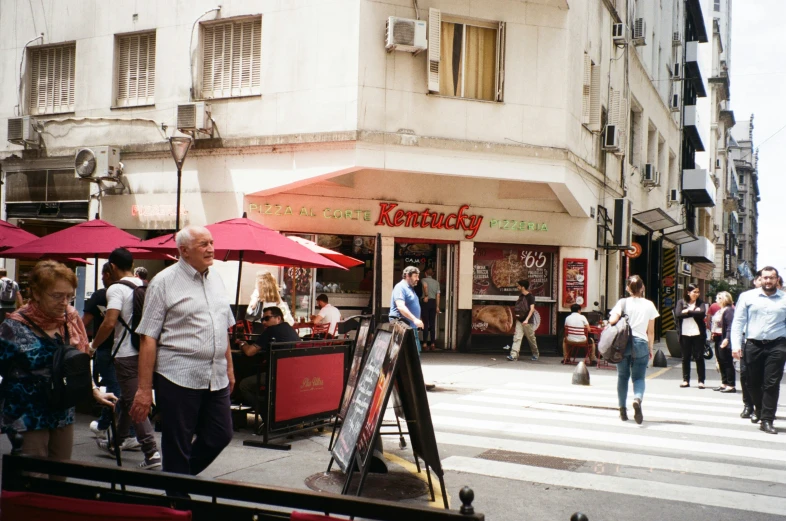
(28, 340)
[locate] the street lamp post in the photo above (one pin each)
(179, 146)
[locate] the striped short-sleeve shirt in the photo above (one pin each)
(188, 313)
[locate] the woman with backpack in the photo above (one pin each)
(691, 312)
(29, 339)
(641, 315)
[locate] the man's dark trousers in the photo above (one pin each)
(765, 371)
(186, 412)
(429, 316)
(746, 393)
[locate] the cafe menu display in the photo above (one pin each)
(574, 282)
(344, 449)
(357, 362)
(497, 268)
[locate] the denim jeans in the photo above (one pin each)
(103, 367)
(633, 366)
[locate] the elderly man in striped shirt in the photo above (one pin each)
(183, 337)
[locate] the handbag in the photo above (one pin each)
(615, 339)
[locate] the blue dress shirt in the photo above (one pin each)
(758, 317)
(403, 291)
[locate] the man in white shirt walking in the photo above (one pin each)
(118, 321)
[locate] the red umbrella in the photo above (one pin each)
(11, 236)
(339, 258)
(245, 240)
(95, 238)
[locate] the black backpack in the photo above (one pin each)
(136, 314)
(69, 381)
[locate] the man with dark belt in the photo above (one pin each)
(760, 315)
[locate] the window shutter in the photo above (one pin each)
(500, 62)
(434, 31)
(231, 58)
(136, 69)
(594, 99)
(585, 93)
(52, 79)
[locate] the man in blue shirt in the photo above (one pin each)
(405, 304)
(760, 315)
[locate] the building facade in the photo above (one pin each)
(493, 141)
(745, 158)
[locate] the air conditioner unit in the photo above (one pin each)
(674, 102)
(194, 117)
(97, 163)
(618, 33)
(639, 32)
(21, 131)
(650, 176)
(623, 218)
(611, 138)
(674, 196)
(404, 34)
(677, 70)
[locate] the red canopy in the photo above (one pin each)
(11, 236)
(339, 258)
(95, 238)
(249, 241)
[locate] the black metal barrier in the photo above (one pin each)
(222, 500)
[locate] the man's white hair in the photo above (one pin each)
(185, 236)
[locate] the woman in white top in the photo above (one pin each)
(641, 318)
(267, 295)
(691, 312)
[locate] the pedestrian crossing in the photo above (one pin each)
(692, 447)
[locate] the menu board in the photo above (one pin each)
(344, 449)
(574, 282)
(357, 361)
(498, 319)
(497, 268)
(381, 392)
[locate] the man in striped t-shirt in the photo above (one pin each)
(184, 337)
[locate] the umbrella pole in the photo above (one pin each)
(237, 291)
(294, 297)
(95, 275)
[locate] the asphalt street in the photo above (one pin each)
(533, 446)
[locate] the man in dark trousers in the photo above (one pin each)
(760, 316)
(524, 311)
(184, 345)
(276, 330)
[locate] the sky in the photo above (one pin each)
(758, 73)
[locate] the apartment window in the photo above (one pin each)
(52, 79)
(742, 180)
(741, 227)
(590, 96)
(716, 6)
(466, 57)
(231, 55)
(135, 69)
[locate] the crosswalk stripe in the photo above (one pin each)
(715, 433)
(621, 439)
(715, 398)
(618, 485)
(606, 457)
(607, 401)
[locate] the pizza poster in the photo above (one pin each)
(498, 319)
(497, 268)
(574, 282)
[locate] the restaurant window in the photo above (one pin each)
(466, 57)
(231, 56)
(349, 290)
(135, 69)
(52, 79)
(45, 185)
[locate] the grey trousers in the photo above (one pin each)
(127, 370)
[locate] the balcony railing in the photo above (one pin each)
(698, 187)
(692, 127)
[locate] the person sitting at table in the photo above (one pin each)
(327, 313)
(577, 321)
(276, 330)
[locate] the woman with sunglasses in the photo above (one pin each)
(29, 338)
(690, 314)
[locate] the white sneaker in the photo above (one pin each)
(126, 444)
(130, 444)
(152, 462)
(98, 433)
(507, 347)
